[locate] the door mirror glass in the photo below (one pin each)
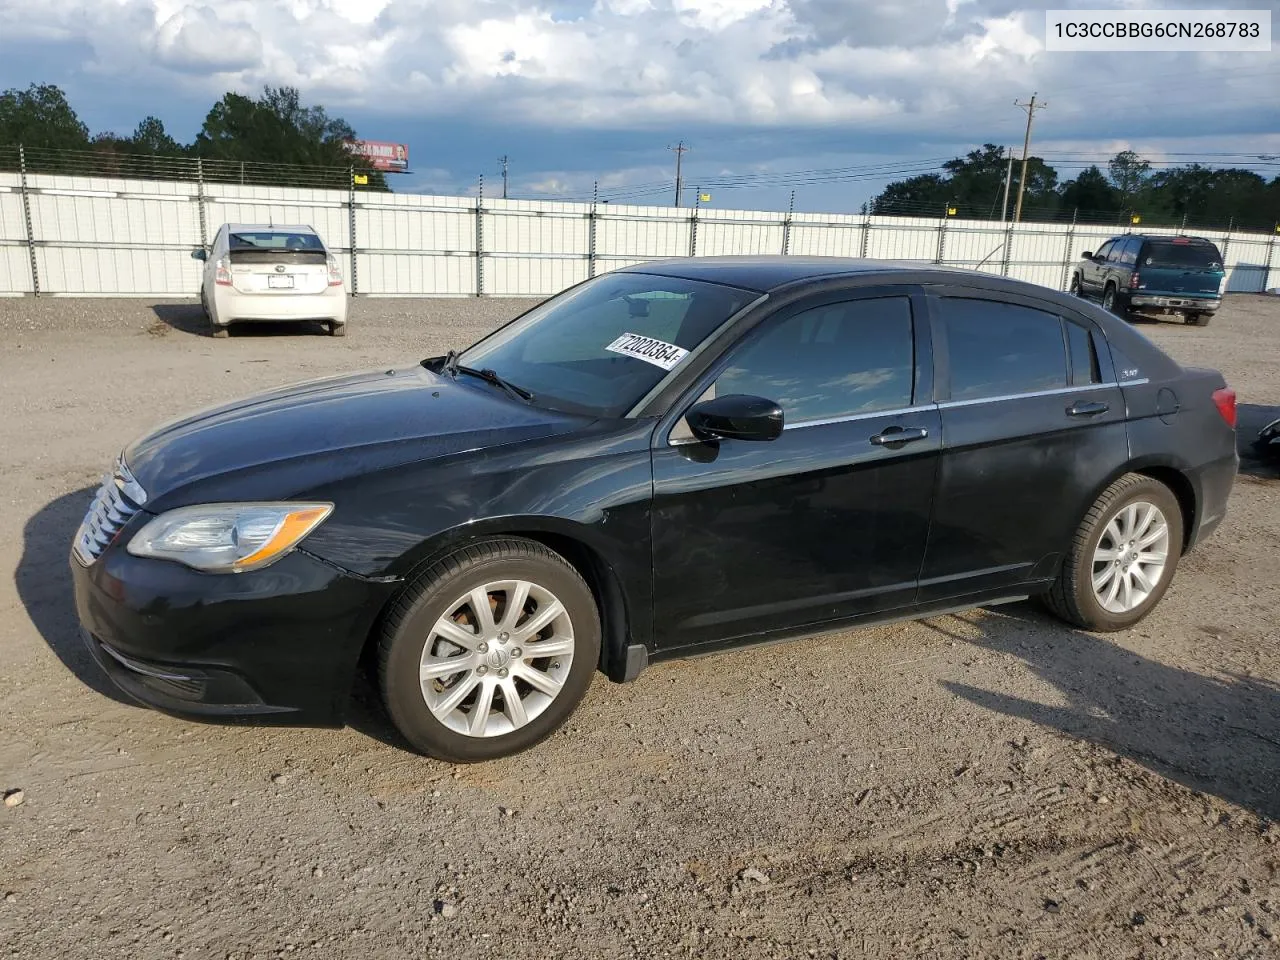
(199, 254)
(735, 417)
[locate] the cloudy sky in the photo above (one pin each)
(579, 90)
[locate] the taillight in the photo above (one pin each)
(1134, 280)
(335, 274)
(221, 275)
(1225, 400)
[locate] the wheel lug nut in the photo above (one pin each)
(482, 670)
(504, 637)
(502, 672)
(516, 652)
(484, 648)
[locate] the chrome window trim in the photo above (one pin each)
(894, 412)
(948, 404)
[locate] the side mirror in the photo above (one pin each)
(1087, 255)
(199, 253)
(735, 417)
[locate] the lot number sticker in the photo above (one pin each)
(658, 352)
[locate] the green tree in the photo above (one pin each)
(40, 118)
(1129, 175)
(277, 129)
(1091, 195)
(150, 137)
(913, 196)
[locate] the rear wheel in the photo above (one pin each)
(1110, 299)
(1074, 289)
(1122, 558)
(489, 651)
(1198, 319)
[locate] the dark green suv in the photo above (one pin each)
(1154, 276)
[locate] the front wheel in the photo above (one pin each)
(489, 651)
(1122, 558)
(1074, 289)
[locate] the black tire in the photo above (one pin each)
(409, 624)
(1074, 288)
(1071, 597)
(1199, 319)
(337, 329)
(1111, 300)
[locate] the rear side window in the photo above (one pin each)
(837, 360)
(1171, 253)
(999, 349)
(1129, 250)
(1084, 356)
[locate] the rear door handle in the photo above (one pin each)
(893, 436)
(1087, 408)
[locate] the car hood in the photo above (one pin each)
(279, 444)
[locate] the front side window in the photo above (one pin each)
(828, 362)
(601, 346)
(1105, 250)
(1001, 349)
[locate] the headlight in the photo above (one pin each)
(228, 537)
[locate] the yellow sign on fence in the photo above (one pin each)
(704, 198)
(361, 179)
(1135, 219)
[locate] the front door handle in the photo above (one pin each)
(894, 436)
(1087, 408)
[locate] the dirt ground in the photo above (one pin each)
(986, 785)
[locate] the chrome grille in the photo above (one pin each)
(108, 513)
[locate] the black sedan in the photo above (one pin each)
(664, 460)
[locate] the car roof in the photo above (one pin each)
(274, 227)
(770, 272)
(1181, 237)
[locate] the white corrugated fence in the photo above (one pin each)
(85, 236)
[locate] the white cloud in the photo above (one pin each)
(196, 39)
(677, 66)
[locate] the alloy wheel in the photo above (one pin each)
(497, 658)
(1130, 558)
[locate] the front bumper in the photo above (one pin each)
(1198, 304)
(278, 643)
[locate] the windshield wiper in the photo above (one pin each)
(449, 364)
(491, 376)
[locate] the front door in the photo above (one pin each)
(830, 520)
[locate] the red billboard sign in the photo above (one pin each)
(384, 156)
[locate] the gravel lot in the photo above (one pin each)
(991, 784)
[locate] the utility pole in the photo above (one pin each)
(679, 150)
(503, 160)
(1008, 178)
(1031, 109)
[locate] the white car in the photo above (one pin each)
(255, 272)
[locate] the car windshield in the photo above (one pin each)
(275, 240)
(601, 346)
(1196, 256)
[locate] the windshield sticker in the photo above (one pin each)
(658, 352)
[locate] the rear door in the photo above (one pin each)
(278, 262)
(1032, 424)
(1181, 266)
